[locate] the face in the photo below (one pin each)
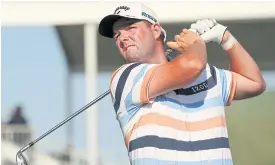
(135, 39)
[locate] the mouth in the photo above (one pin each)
(126, 48)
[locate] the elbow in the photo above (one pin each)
(196, 66)
(262, 87)
(200, 60)
(259, 88)
(198, 63)
(195, 59)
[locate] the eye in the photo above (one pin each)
(131, 28)
(116, 35)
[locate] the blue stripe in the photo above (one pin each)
(223, 80)
(151, 161)
(177, 145)
(191, 107)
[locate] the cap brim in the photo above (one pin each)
(105, 27)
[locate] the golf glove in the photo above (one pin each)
(209, 30)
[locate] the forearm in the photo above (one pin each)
(242, 63)
(196, 54)
(179, 72)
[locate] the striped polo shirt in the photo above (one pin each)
(182, 127)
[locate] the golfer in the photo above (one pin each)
(172, 112)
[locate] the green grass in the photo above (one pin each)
(251, 128)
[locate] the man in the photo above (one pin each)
(172, 112)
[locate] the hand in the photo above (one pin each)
(184, 40)
(209, 30)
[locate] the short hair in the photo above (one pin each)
(162, 35)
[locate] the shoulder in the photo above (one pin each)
(127, 69)
(122, 69)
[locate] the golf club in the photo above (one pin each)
(21, 159)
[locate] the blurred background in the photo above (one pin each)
(54, 62)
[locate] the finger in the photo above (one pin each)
(198, 27)
(182, 34)
(185, 31)
(176, 38)
(214, 21)
(183, 45)
(173, 45)
(205, 25)
(182, 39)
(210, 23)
(194, 26)
(184, 42)
(194, 31)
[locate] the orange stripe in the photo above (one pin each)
(233, 89)
(166, 121)
(145, 85)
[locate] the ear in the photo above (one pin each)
(156, 28)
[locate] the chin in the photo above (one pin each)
(142, 60)
(135, 56)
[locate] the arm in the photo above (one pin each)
(245, 72)
(183, 69)
(249, 81)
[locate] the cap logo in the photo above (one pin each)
(148, 16)
(121, 9)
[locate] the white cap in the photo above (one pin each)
(136, 11)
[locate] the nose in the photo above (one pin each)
(123, 39)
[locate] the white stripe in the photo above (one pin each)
(170, 155)
(185, 116)
(168, 132)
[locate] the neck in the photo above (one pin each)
(158, 55)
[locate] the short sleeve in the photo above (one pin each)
(228, 85)
(130, 83)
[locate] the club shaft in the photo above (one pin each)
(66, 120)
(167, 52)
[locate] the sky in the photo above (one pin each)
(34, 75)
